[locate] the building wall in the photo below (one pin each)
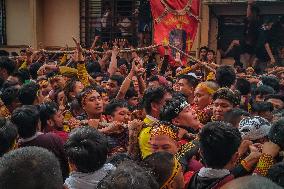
(19, 22)
(61, 21)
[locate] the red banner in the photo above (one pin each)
(175, 23)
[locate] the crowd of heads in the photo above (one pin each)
(138, 120)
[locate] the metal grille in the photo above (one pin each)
(94, 20)
(3, 38)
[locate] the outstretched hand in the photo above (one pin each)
(78, 54)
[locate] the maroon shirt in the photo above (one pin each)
(53, 143)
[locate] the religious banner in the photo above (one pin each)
(175, 23)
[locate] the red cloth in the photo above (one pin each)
(178, 30)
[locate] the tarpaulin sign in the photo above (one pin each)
(175, 23)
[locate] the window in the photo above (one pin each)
(3, 39)
(108, 18)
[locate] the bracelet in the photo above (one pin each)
(246, 166)
(264, 163)
(81, 62)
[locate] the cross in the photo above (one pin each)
(165, 41)
(189, 42)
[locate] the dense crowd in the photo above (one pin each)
(103, 118)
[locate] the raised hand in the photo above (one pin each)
(78, 54)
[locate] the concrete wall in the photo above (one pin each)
(61, 21)
(19, 22)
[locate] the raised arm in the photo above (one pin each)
(113, 62)
(81, 67)
(126, 83)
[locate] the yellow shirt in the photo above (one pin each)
(144, 138)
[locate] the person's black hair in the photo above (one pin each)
(153, 78)
(8, 135)
(30, 168)
(251, 182)
(46, 111)
(212, 51)
(14, 53)
(54, 97)
(113, 105)
(272, 82)
(168, 111)
(276, 173)
(192, 81)
(243, 86)
(34, 67)
(28, 93)
(7, 64)
(85, 91)
(74, 106)
(9, 95)
(4, 53)
(97, 74)
(130, 93)
(93, 67)
(69, 87)
(26, 119)
(219, 141)
(122, 61)
(261, 107)
(204, 47)
(233, 115)
(225, 76)
(276, 133)
(263, 90)
(275, 96)
(86, 148)
(22, 75)
(149, 66)
(129, 175)
(118, 78)
(161, 164)
(225, 93)
(118, 158)
(7, 84)
(153, 95)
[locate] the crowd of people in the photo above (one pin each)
(103, 118)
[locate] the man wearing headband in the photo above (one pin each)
(180, 113)
(224, 99)
(91, 102)
(203, 100)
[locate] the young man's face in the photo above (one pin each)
(187, 118)
(112, 87)
(220, 107)
(57, 119)
(210, 56)
(93, 103)
(78, 87)
(203, 53)
(185, 88)
(121, 115)
(202, 98)
(163, 143)
(133, 101)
